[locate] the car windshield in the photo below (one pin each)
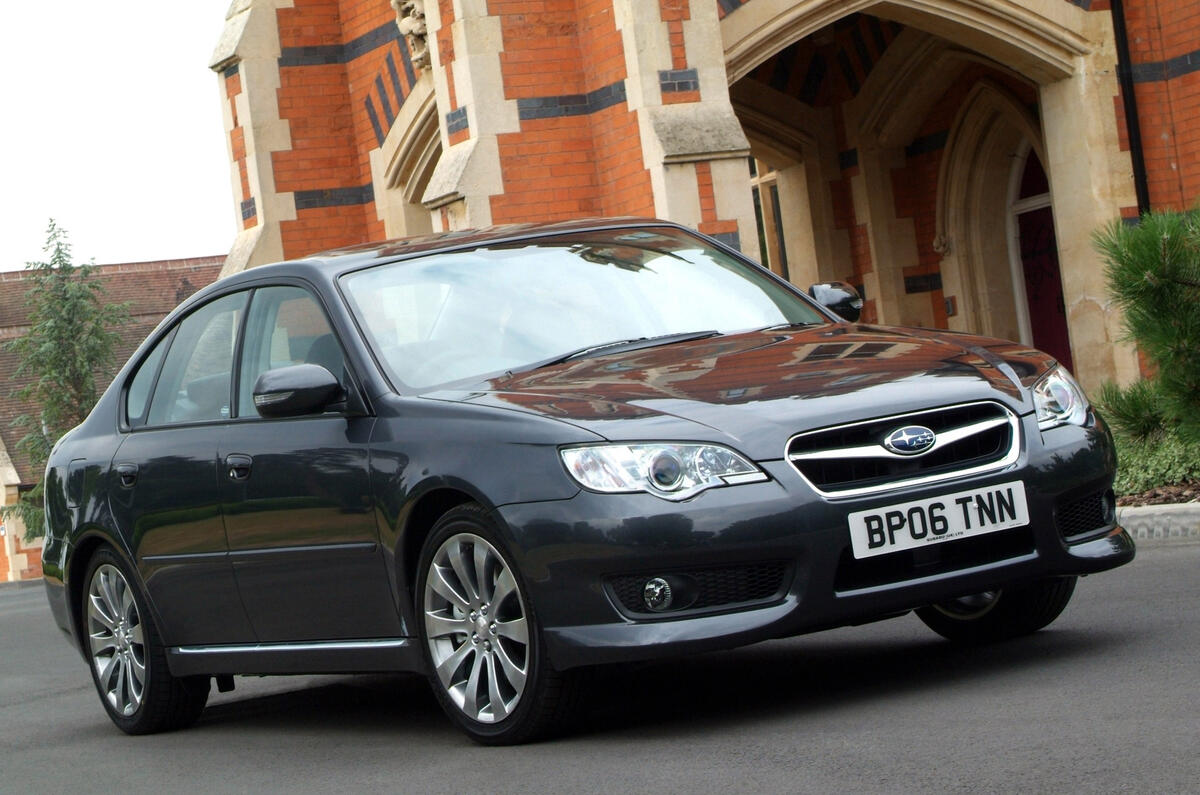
(452, 316)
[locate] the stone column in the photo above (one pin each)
(1091, 181)
(247, 61)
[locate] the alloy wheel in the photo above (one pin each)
(476, 627)
(115, 635)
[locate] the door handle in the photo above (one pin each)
(128, 474)
(238, 466)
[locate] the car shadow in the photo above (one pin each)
(811, 676)
(798, 678)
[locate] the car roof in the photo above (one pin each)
(326, 266)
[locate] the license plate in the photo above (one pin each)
(949, 517)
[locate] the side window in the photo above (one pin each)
(195, 381)
(137, 398)
(285, 326)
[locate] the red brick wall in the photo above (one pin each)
(572, 165)
(1161, 34)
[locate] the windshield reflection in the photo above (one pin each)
(451, 316)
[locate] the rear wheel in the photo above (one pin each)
(483, 646)
(1000, 614)
(128, 662)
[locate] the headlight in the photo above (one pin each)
(670, 471)
(1059, 400)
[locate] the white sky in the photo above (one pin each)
(112, 126)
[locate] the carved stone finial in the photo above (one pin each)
(410, 18)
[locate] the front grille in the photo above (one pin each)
(1084, 515)
(851, 459)
(705, 589)
(853, 574)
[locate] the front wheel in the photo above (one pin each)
(128, 662)
(1000, 614)
(483, 646)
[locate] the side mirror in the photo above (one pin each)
(838, 297)
(296, 390)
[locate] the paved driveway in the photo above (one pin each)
(1107, 699)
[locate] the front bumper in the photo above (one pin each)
(570, 551)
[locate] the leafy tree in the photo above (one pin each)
(1153, 271)
(68, 346)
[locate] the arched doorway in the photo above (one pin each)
(906, 144)
(1037, 281)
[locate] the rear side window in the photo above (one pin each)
(196, 377)
(137, 398)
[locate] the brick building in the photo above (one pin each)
(950, 157)
(151, 290)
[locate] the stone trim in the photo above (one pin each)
(334, 197)
(572, 104)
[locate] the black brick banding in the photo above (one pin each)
(571, 104)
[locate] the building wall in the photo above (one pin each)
(1164, 44)
(149, 290)
(354, 120)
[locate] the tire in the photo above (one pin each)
(484, 651)
(126, 657)
(1001, 614)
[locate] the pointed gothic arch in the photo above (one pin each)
(1041, 39)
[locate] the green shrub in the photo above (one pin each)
(1136, 410)
(1160, 459)
(1153, 272)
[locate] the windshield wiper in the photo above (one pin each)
(620, 346)
(798, 324)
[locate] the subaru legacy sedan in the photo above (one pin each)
(498, 458)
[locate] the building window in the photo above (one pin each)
(771, 247)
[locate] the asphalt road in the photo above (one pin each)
(1105, 700)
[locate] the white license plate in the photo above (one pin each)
(948, 517)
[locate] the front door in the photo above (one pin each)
(296, 493)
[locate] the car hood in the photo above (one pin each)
(755, 390)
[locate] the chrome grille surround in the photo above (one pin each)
(986, 417)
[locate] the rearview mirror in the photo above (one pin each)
(838, 297)
(296, 390)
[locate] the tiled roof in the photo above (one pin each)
(152, 289)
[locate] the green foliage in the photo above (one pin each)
(1160, 459)
(1153, 271)
(1136, 410)
(69, 342)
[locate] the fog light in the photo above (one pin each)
(657, 594)
(1108, 505)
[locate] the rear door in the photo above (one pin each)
(296, 492)
(165, 495)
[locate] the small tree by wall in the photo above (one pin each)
(70, 340)
(1153, 271)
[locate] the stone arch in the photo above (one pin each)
(1040, 39)
(914, 72)
(971, 222)
(405, 163)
